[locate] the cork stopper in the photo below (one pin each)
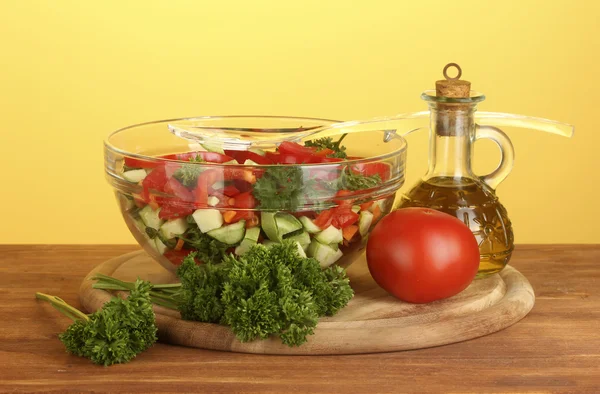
(453, 119)
(452, 87)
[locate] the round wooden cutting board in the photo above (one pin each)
(372, 322)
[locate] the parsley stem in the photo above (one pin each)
(64, 308)
(337, 144)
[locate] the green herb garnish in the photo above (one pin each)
(209, 250)
(327, 143)
(267, 291)
(188, 173)
(115, 334)
(350, 180)
(279, 188)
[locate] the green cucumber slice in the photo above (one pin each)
(172, 228)
(303, 238)
(365, 219)
(231, 234)
(277, 224)
(301, 251)
(213, 147)
(330, 235)
(287, 223)
(208, 219)
(134, 176)
(324, 254)
(309, 225)
(252, 234)
(150, 217)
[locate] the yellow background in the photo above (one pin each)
(73, 71)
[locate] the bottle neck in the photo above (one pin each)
(452, 131)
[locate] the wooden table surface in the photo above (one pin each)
(556, 348)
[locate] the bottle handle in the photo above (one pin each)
(507, 153)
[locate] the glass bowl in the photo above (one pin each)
(219, 185)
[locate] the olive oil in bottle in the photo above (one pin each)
(474, 203)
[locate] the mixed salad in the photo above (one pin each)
(216, 210)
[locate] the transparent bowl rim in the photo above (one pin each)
(108, 145)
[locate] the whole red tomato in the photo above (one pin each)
(421, 255)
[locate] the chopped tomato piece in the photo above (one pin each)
(343, 200)
(242, 155)
(369, 169)
(242, 185)
(245, 215)
(294, 148)
(244, 200)
(176, 256)
(274, 157)
(324, 152)
(173, 209)
(344, 217)
(156, 180)
(230, 191)
(323, 220)
(366, 205)
(245, 174)
(173, 186)
(206, 179)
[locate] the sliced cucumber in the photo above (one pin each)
(278, 224)
(249, 162)
(364, 222)
(267, 243)
(134, 176)
(257, 151)
(301, 251)
(324, 254)
(269, 225)
(173, 228)
(250, 239)
(231, 234)
(231, 162)
(252, 234)
(208, 219)
(160, 247)
(150, 217)
(286, 223)
(356, 208)
(309, 225)
(212, 201)
(330, 235)
(378, 203)
(139, 224)
(126, 203)
(212, 147)
(244, 247)
(303, 238)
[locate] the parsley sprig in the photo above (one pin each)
(267, 291)
(328, 143)
(117, 333)
(188, 173)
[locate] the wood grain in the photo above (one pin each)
(554, 349)
(372, 322)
